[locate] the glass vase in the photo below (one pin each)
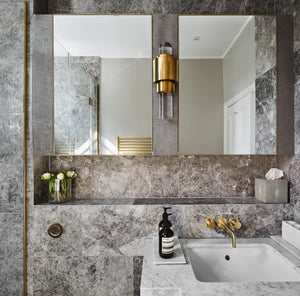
(60, 191)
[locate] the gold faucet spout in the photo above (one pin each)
(233, 236)
(222, 223)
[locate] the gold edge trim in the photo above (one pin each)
(178, 84)
(25, 89)
(97, 119)
(277, 124)
(53, 134)
(152, 94)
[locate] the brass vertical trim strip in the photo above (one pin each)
(97, 118)
(53, 76)
(25, 122)
(178, 151)
(276, 66)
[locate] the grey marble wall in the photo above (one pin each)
(265, 84)
(11, 148)
(97, 254)
(265, 117)
(161, 176)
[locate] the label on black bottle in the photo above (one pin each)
(167, 244)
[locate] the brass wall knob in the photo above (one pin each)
(235, 223)
(221, 222)
(210, 223)
(55, 230)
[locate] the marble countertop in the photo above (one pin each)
(179, 280)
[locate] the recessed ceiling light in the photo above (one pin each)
(196, 38)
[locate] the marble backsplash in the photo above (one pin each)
(159, 176)
(99, 251)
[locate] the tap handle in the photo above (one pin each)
(235, 223)
(222, 222)
(210, 223)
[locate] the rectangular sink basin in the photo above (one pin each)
(246, 263)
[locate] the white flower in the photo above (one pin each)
(60, 176)
(71, 174)
(46, 176)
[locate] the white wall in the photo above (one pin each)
(239, 63)
(125, 101)
(201, 106)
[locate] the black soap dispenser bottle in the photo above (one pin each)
(164, 217)
(166, 239)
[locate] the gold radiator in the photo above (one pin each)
(134, 146)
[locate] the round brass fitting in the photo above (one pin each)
(235, 223)
(210, 223)
(222, 222)
(55, 230)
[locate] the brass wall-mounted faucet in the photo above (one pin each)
(222, 223)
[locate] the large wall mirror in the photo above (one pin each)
(227, 84)
(102, 82)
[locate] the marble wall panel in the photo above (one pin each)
(11, 184)
(167, 6)
(11, 236)
(11, 77)
(77, 276)
(11, 279)
(297, 74)
(265, 39)
(162, 176)
(265, 118)
(11, 147)
(42, 86)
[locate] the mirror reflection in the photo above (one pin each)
(102, 84)
(227, 84)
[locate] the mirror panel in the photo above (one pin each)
(227, 84)
(102, 82)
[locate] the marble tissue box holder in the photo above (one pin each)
(291, 233)
(271, 191)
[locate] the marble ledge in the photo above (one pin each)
(159, 201)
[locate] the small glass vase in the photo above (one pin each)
(60, 191)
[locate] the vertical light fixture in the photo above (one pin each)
(165, 75)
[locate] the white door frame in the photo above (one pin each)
(249, 90)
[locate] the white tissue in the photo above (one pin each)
(274, 174)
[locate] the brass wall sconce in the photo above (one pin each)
(165, 75)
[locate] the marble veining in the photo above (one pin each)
(265, 40)
(265, 118)
(162, 176)
(11, 148)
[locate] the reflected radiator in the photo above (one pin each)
(65, 148)
(134, 146)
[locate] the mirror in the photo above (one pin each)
(227, 84)
(102, 83)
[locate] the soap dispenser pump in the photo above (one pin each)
(166, 239)
(164, 217)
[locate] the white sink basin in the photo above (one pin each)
(246, 263)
